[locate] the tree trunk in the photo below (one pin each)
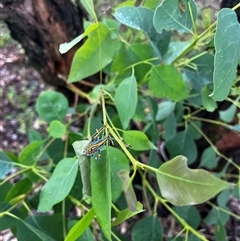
(40, 26)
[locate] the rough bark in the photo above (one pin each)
(40, 26)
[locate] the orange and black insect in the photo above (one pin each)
(94, 147)
(96, 144)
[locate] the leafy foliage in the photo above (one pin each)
(158, 90)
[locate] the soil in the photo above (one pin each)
(20, 87)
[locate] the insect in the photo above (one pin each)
(96, 143)
(95, 136)
(95, 146)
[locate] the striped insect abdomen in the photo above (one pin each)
(94, 146)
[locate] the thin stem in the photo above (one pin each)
(64, 219)
(15, 175)
(223, 210)
(38, 174)
(181, 220)
(212, 121)
(212, 145)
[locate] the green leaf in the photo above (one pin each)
(34, 136)
(8, 221)
(169, 127)
(78, 229)
(175, 48)
(87, 235)
(63, 48)
(208, 158)
(4, 189)
(165, 108)
(223, 198)
(5, 164)
(57, 129)
(170, 15)
(96, 53)
(30, 154)
(84, 167)
(227, 54)
(228, 114)
(141, 18)
(219, 231)
(148, 228)
(120, 62)
(52, 105)
(101, 192)
(21, 187)
(202, 74)
(126, 214)
(152, 105)
(167, 82)
(88, 5)
(182, 144)
(183, 186)
(49, 224)
(208, 103)
(118, 162)
(128, 190)
(138, 54)
(213, 216)
(27, 232)
(192, 131)
(126, 100)
(59, 185)
(190, 214)
(138, 140)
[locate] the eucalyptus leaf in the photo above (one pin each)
(101, 192)
(6, 165)
(148, 228)
(78, 229)
(88, 5)
(167, 82)
(227, 45)
(128, 190)
(190, 214)
(165, 108)
(169, 127)
(183, 186)
(228, 114)
(208, 158)
(95, 54)
(57, 129)
(138, 140)
(59, 185)
(30, 154)
(27, 232)
(126, 100)
(208, 103)
(65, 47)
(52, 105)
(126, 214)
(118, 162)
(219, 231)
(21, 187)
(141, 18)
(84, 167)
(175, 15)
(182, 144)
